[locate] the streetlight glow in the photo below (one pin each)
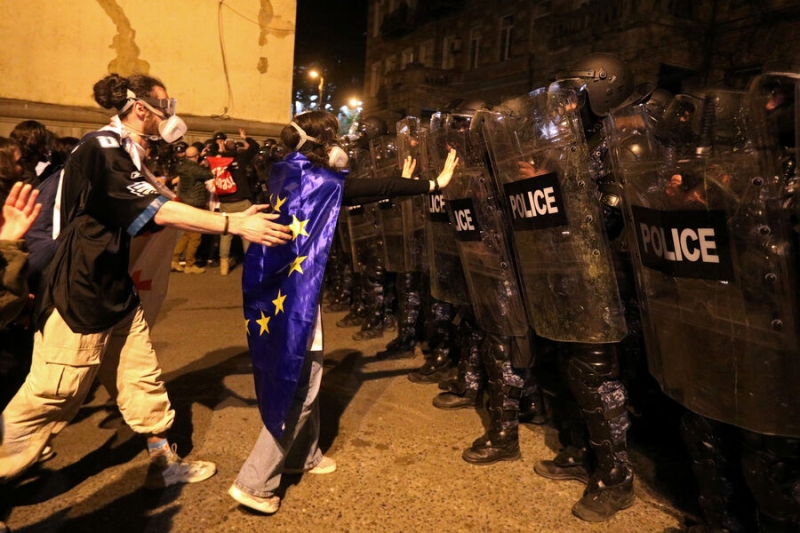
(313, 74)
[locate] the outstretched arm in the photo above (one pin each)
(251, 225)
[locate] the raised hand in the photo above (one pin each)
(19, 211)
(449, 166)
(408, 167)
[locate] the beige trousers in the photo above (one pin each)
(63, 369)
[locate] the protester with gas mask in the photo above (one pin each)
(89, 318)
(281, 294)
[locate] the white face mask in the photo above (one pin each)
(172, 129)
(337, 157)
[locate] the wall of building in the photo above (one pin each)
(680, 44)
(53, 52)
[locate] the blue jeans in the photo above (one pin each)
(298, 448)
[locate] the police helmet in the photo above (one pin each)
(605, 80)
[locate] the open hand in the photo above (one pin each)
(19, 211)
(260, 228)
(449, 166)
(408, 167)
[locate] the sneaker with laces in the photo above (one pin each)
(176, 267)
(325, 466)
(168, 469)
(194, 269)
(257, 503)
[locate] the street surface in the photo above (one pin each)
(399, 458)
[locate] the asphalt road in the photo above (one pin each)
(399, 458)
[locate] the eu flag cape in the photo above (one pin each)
(281, 284)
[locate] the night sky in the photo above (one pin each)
(333, 35)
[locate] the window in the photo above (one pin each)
(426, 53)
(450, 47)
(375, 77)
(474, 47)
(391, 64)
(407, 57)
(506, 25)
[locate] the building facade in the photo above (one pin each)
(228, 64)
(425, 55)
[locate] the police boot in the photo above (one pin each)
(602, 499)
(372, 328)
(610, 489)
(571, 463)
(355, 317)
(498, 444)
(398, 348)
(351, 319)
(436, 367)
(457, 398)
(342, 293)
(715, 449)
(532, 408)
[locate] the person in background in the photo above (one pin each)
(191, 191)
(19, 211)
(33, 139)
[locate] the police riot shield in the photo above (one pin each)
(448, 283)
(390, 219)
(362, 220)
(474, 211)
(542, 166)
(716, 255)
(412, 209)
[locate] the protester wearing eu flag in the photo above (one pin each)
(281, 300)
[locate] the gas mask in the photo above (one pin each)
(170, 128)
(337, 157)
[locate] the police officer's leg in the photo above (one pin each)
(771, 466)
(505, 385)
(466, 391)
(443, 341)
(573, 461)
(408, 309)
(593, 378)
(374, 275)
(715, 449)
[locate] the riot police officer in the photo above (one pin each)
(551, 178)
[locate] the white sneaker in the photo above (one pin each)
(168, 469)
(326, 466)
(47, 454)
(257, 503)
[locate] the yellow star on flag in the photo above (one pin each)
(264, 323)
(247, 325)
(278, 203)
(279, 303)
(298, 227)
(296, 264)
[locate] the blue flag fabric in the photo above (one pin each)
(281, 284)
